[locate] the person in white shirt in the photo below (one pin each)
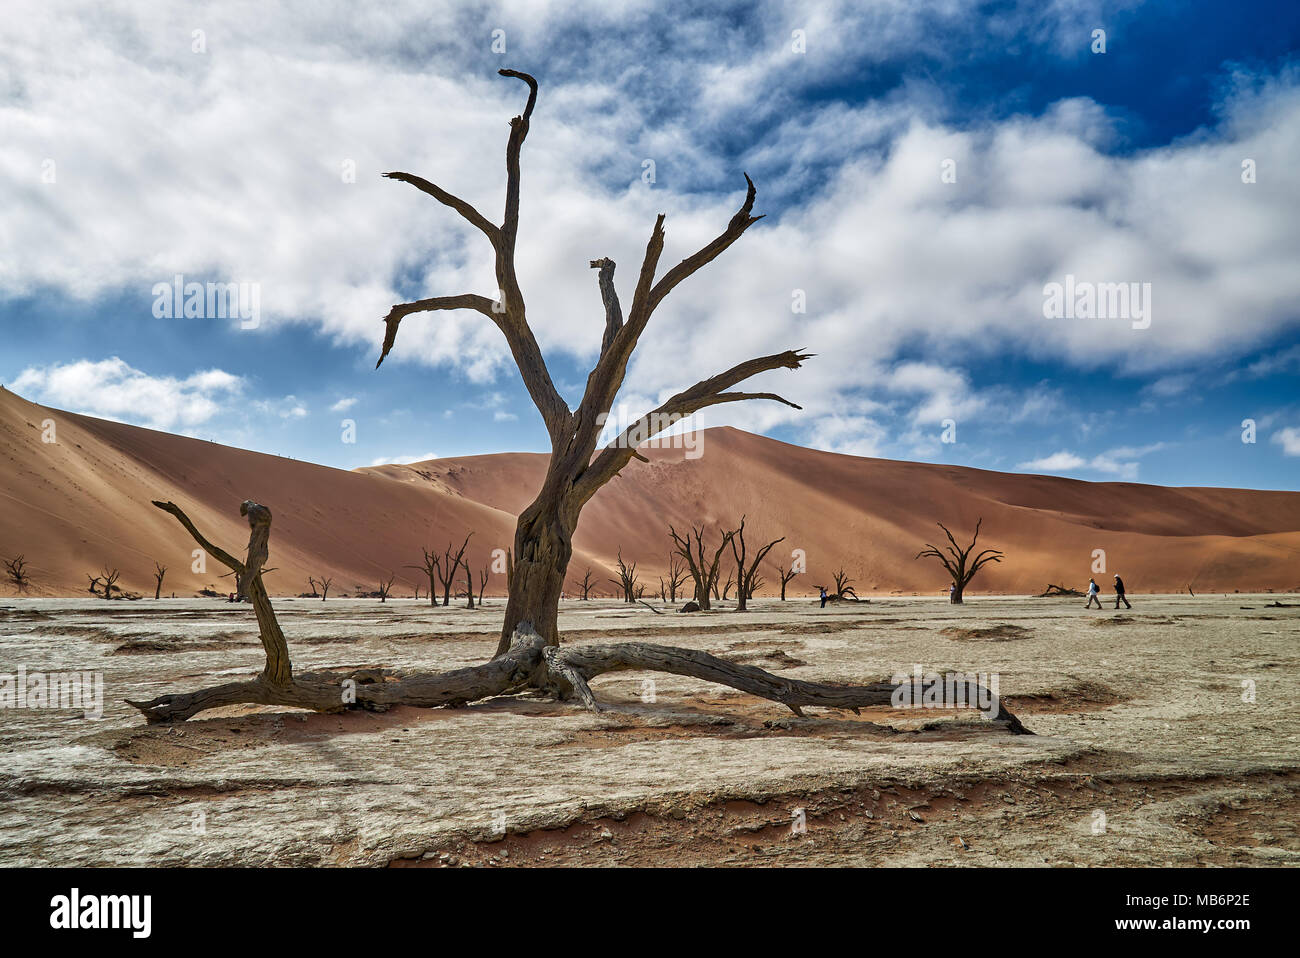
(1092, 594)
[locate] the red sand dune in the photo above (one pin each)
(80, 503)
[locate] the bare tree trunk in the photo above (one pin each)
(543, 547)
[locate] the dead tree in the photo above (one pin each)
(756, 582)
(106, 579)
(843, 586)
(325, 587)
(430, 568)
(726, 586)
(160, 570)
(482, 583)
(703, 572)
(786, 576)
(958, 562)
(747, 577)
(677, 575)
(469, 584)
(16, 569)
(445, 567)
(627, 579)
(385, 588)
(1059, 591)
(586, 584)
(529, 656)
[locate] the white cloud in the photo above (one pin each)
(149, 184)
(500, 416)
(403, 460)
(1120, 462)
(1057, 462)
(343, 405)
(289, 407)
(113, 389)
(1289, 440)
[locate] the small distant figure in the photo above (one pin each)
(824, 596)
(1093, 589)
(1119, 593)
(952, 591)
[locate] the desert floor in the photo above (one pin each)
(1146, 751)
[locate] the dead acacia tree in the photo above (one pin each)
(786, 576)
(445, 567)
(627, 579)
(430, 568)
(677, 575)
(843, 586)
(586, 584)
(529, 656)
(958, 562)
(482, 583)
(747, 578)
(105, 580)
(726, 586)
(160, 570)
(469, 584)
(16, 569)
(385, 588)
(703, 572)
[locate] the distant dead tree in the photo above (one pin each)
(469, 584)
(663, 590)
(385, 588)
(704, 572)
(105, 580)
(747, 577)
(677, 575)
(430, 568)
(586, 584)
(627, 579)
(726, 586)
(529, 654)
(160, 570)
(16, 569)
(482, 582)
(843, 584)
(958, 562)
(786, 576)
(446, 566)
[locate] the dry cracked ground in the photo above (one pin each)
(1147, 749)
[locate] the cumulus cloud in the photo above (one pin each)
(1121, 462)
(111, 388)
(258, 160)
(343, 405)
(1289, 440)
(403, 460)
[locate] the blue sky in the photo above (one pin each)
(927, 169)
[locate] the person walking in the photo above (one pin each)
(1119, 593)
(1093, 589)
(823, 590)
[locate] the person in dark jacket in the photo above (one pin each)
(823, 588)
(1119, 593)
